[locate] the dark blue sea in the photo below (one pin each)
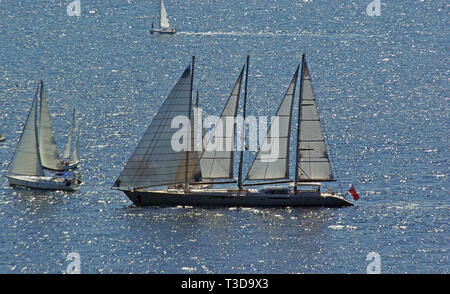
(382, 85)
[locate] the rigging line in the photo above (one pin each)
(329, 149)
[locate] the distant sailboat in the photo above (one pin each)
(164, 24)
(47, 143)
(70, 157)
(26, 167)
(154, 163)
(2, 139)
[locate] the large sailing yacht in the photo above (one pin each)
(156, 174)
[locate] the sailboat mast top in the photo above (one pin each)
(297, 153)
(243, 126)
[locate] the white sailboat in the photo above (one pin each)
(164, 24)
(2, 139)
(26, 165)
(154, 163)
(70, 157)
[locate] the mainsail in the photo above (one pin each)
(272, 160)
(313, 162)
(26, 159)
(154, 161)
(217, 158)
(47, 144)
(163, 18)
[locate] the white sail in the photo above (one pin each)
(314, 164)
(68, 147)
(47, 144)
(26, 159)
(163, 18)
(198, 136)
(217, 158)
(272, 160)
(154, 161)
(76, 149)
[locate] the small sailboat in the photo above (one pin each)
(47, 143)
(155, 164)
(164, 24)
(26, 167)
(70, 157)
(2, 139)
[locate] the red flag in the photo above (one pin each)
(353, 192)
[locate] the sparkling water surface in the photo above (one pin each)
(382, 84)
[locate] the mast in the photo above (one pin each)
(297, 156)
(243, 126)
(186, 182)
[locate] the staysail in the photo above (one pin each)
(313, 162)
(155, 162)
(163, 18)
(26, 159)
(47, 144)
(217, 158)
(272, 160)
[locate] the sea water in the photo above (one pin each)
(382, 84)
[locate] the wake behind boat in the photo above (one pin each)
(155, 163)
(26, 167)
(164, 24)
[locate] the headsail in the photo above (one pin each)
(154, 161)
(313, 162)
(68, 147)
(76, 149)
(47, 144)
(217, 158)
(163, 17)
(26, 159)
(272, 160)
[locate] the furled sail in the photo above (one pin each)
(26, 159)
(47, 144)
(272, 160)
(155, 162)
(217, 158)
(314, 164)
(163, 18)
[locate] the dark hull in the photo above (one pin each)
(249, 199)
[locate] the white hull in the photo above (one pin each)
(234, 198)
(163, 31)
(45, 183)
(2, 138)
